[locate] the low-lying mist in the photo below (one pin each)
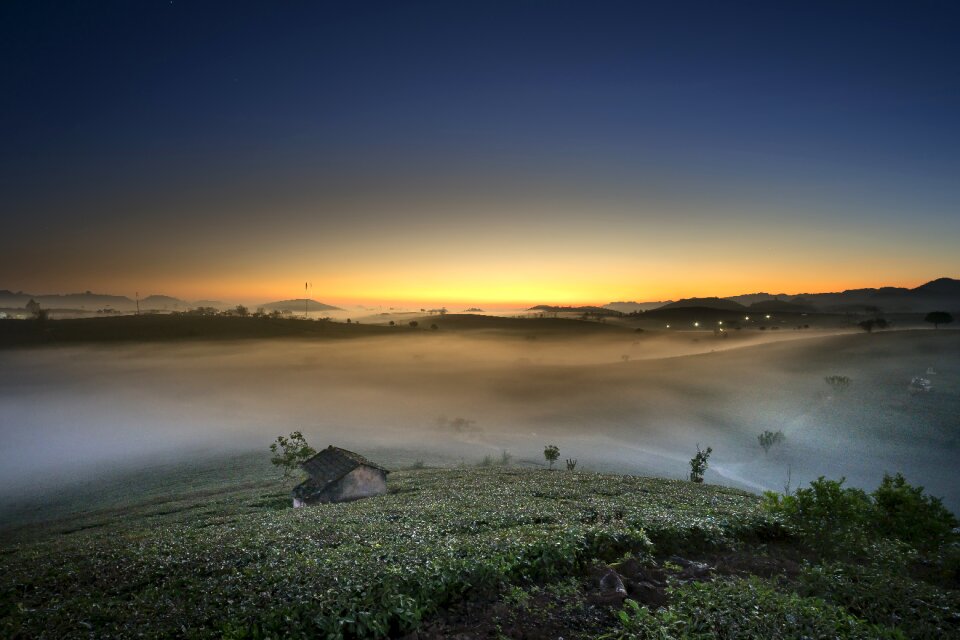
(622, 402)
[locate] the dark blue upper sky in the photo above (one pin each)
(122, 113)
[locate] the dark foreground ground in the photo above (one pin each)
(216, 551)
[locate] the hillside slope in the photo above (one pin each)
(482, 552)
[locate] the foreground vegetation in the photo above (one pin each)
(496, 552)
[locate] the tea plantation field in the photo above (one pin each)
(499, 552)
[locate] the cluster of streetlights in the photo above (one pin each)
(720, 322)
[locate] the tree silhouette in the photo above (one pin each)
(873, 323)
(769, 438)
(937, 318)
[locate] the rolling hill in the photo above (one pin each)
(298, 305)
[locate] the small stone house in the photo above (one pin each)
(338, 475)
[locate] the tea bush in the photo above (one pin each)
(826, 515)
(742, 609)
(881, 596)
(219, 566)
(840, 521)
(906, 513)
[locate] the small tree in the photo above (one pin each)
(290, 452)
(698, 464)
(769, 438)
(571, 464)
(551, 452)
(414, 324)
(937, 318)
(241, 311)
(839, 383)
(505, 458)
(873, 323)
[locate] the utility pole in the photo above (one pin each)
(138, 302)
(305, 299)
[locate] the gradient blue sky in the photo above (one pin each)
(487, 151)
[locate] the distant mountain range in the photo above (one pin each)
(942, 294)
(554, 309)
(633, 307)
(89, 301)
(298, 305)
(709, 303)
(82, 301)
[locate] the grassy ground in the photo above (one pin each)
(170, 327)
(497, 552)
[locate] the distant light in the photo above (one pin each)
(668, 326)
(746, 317)
(768, 316)
(696, 324)
(719, 321)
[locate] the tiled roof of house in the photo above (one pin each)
(333, 463)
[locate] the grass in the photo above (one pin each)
(178, 327)
(172, 327)
(208, 557)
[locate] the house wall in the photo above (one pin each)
(362, 482)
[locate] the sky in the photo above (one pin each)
(477, 152)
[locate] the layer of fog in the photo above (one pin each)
(69, 413)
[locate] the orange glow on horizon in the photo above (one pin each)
(498, 293)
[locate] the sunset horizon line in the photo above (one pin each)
(434, 300)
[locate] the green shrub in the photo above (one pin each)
(835, 520)
(742, 609)
(905, 513)
(882, 596)
(826, 516)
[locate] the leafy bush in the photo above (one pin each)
(906, 513)
(742, 609)
(833, 519)
(881, 596)
(826, 516)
